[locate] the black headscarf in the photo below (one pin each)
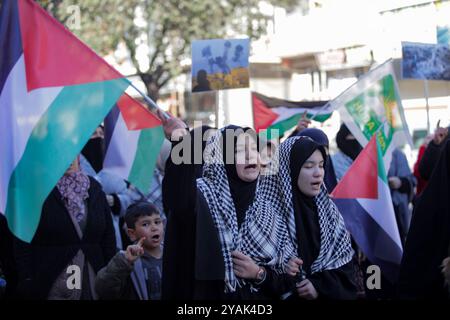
(305, 209)
(242, 192)
(321, 138)
(351, 148)
(187, 172)
(94, 152)
(179, 190)
(428, 240)
(316, 134)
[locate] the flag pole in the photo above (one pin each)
(153, 106)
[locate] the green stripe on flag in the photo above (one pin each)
(291, 122)
(381, 169)
(54, 143)
(286, 124)
(149, 145)
(320, 117)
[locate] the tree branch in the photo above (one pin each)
(132, 50)
(164, 82)
(158, 47)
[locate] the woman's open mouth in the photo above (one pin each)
(316, 185)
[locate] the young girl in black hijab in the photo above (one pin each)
(315, 241)
(321, 138)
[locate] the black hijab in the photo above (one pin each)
(321, 138)
(351, 148)
(184, 173)
(94, 152)
(428, 240)
(242, 192)
(305, 209)
(179, 190)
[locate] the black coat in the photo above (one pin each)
(179, 192)
(428, 240)
(6, 256)
(56, 242)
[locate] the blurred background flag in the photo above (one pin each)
(272, 113)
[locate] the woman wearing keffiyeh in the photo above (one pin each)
(313, 247)
(227, 189)
(217, 204)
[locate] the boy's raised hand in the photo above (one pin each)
(135, 251)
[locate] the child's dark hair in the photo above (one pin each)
(137, 210)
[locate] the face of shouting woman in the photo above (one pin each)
(247, 158)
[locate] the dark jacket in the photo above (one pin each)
(121, 280)
(336, 284)
(56, 242)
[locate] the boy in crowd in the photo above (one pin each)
(136, 273)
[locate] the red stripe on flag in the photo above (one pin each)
(135, 115)
(361, 179)
(263, 117)
(53, 55)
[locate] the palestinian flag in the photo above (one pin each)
(54, 92)
(133, 137)
(272, 113)
(364, 200)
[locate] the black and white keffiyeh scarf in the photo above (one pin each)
(274, 197)
(257, 236)
(268, 233)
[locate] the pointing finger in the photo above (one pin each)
(141, 242)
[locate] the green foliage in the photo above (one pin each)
(164, 29)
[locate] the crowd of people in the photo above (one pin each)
(249, 219)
